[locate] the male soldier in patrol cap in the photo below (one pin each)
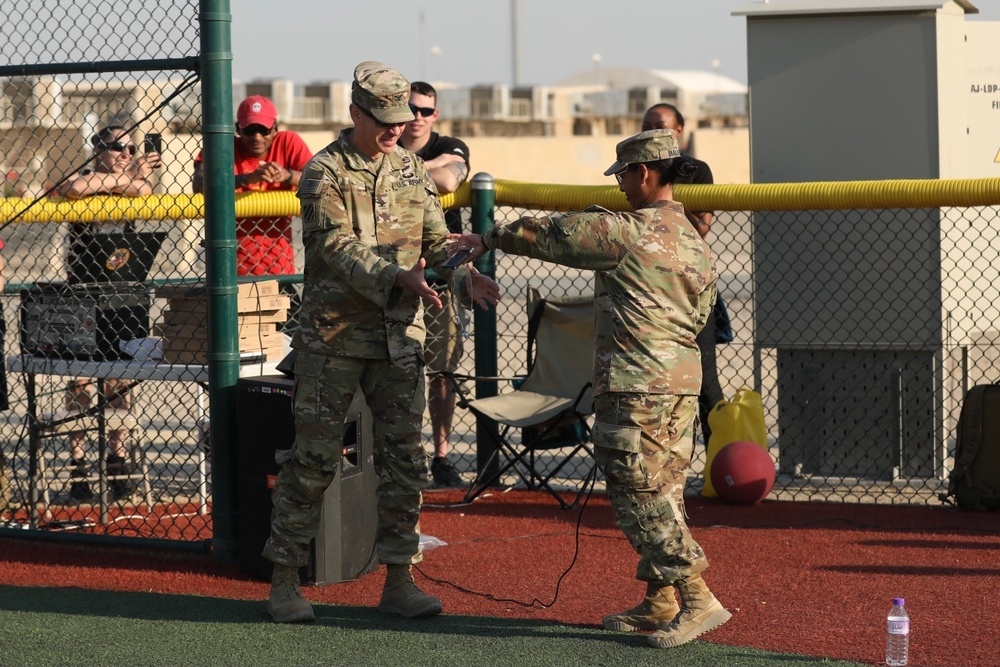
(371, 223)
(655, 286)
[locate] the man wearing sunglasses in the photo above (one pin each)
(266, 158)
(446, 158)
(371, 224)
(447, 162)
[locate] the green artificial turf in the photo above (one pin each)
(59, 626)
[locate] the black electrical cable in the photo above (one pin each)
(589, 483)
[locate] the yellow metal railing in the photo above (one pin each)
(832, 195)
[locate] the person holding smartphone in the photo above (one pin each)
(118, 169)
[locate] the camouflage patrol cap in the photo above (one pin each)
(648, 146)
(381, 91)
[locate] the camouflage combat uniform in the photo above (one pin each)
(363, 221)
(655, 288)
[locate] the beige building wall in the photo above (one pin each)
(179, 152)
(558, 160)
(317, 140)
(727, 152)
(582, 160)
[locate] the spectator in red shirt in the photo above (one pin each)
(265, 159)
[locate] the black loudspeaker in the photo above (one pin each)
(344, 548)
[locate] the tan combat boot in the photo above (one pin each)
(700, 612)
(286, 604)
(657, 609)
(401, 596)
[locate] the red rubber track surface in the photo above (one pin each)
(809, 578)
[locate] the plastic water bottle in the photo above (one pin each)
(897, 641)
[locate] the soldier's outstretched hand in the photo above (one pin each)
(484, 290)
(413, 280)
(473, 242)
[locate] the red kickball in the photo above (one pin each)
(743, 473)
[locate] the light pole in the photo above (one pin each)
(420, 43)
(716, 66)
(515, 44)
(435, 56)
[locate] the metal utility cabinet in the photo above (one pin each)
(872, 348)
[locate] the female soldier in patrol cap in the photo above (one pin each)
(655, 287)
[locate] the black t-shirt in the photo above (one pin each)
(702, 174)
(439, 145)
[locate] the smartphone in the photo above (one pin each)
(153, 143)
(458, 259)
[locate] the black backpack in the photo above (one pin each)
(974, 483)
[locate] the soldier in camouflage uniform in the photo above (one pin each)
(655, 288)
(371, 222)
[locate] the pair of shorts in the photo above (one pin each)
(444, 346)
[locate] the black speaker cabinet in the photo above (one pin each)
(344, 548)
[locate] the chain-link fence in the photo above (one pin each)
(861, 329)
(99, 114)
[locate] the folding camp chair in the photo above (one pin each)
(549, 408)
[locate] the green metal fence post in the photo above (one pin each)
(220, 261)
(483, 199)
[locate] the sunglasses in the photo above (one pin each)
(384, 126)
(620, 174)
(426, 112)
(251, 130)
(119, 147)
